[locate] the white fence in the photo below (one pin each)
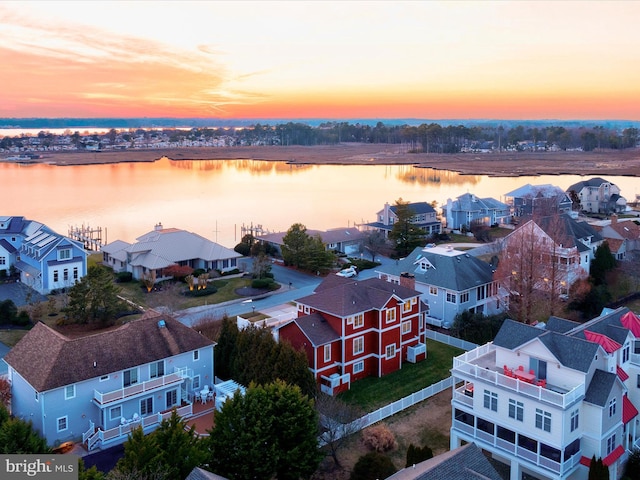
(454, 342)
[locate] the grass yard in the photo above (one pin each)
(372, 392)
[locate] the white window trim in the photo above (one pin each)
(66, 423)
(358, 367)
(406, 327)
(113, 410)
(356, 341)
(391, 346)
(327, 353)
(196, 355)
(66, 392)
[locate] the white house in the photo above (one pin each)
(597, 195)
(450, 281)
(545, 399)
(96, 388)
(45, 259)
(163, 247)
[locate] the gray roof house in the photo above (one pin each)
(598, 195)
(450, 281)
(164, 247)
(424, 217)
(97, 387)
(538, 199)
(342, 239)
(544, 399)
(468, 210)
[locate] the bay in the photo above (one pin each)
(215, 198)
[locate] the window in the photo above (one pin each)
(358, 320)
(3, 260)
(65, 274)
(612, 407)
(64, 254)
(516, 409)
(69, 392)
(130, 377)
(390, 315)
(104, 378)
(62, 423)
(327, 353)
(196, 355)
(37, 397)
(358, 367)
(543, 420)
(625, 353)
(464, 297)
(481, 292)
(146, 406)
(172, 398)
(156, 369)
(406, 327)
(55, 275)
(491, 400)
(451, 297)
(358, 345)
(390, 351)
(406, 306)
(196, 382)
(115, 413)
(574, 420)
(75, 273)
(611, 443)
(433, 290)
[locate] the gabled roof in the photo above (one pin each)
(560, 325)
(47, 359)
(592, 182)
(566, 231)
(463, 463)
(450, 269)
(600, 387)
(333, 235)
(416, 208)
(316, 329)
(629, 411)
(631, 321)
(513, 334)
(605, 342)
(537, 191)
(354, 296)
(12, 224)
(470, 203)
(7, 246)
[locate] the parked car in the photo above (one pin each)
(348, 272)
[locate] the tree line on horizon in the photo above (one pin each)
(423, 138)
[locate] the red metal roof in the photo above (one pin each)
(632, 322)
(629, 411)
(621, 373)
(609, 345)
(608, 460)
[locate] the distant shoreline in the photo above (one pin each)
(505, 164)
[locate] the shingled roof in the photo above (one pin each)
(349, 298)
(451, 269)
(600, 387)
(316, 329)
(47, 359)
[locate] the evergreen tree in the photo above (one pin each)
(405, 234)
(94, 298)
(603, 262)
(226, 348)
(416, 455)
(371, 466)
(294, 244)
(598, 470)
(18, 436)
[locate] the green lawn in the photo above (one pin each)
(372, 392)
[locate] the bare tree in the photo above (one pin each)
(338, 421)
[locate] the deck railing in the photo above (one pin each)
(105, 398)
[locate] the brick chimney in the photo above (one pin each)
(408, 280)
(614, 219)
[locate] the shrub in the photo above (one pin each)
(372, 465)
(124, 277)
(198, 271)
(203, 292)
(262, 283)
(8, 312)
(379, 438)
(416, 455)
(363, 264)
(228, 272)
(22, 320)
(3, 273)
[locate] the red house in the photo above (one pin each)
(351, 329)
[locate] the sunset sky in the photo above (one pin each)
(321, 59)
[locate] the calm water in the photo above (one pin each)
(214, 198)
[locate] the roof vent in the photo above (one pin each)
(95, 364)
(161, 324)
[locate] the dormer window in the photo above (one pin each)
(64, 254)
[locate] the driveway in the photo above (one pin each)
(20, 294)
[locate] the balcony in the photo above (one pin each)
(148, 424)
(108, 398)
(492, 442)
(333, 382)
(480, 365)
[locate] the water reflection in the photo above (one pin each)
(214, 198)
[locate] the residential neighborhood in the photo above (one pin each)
(541, 399)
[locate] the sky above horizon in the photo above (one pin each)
(321, 59)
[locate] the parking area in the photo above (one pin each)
(20, 294)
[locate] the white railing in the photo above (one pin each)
(462, 368)
(331, 382)
(532, 457)
(116, 395)
(148, 423)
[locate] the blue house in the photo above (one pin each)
(468, 210)
(423, 216)
(45, 259)
(98, 387)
